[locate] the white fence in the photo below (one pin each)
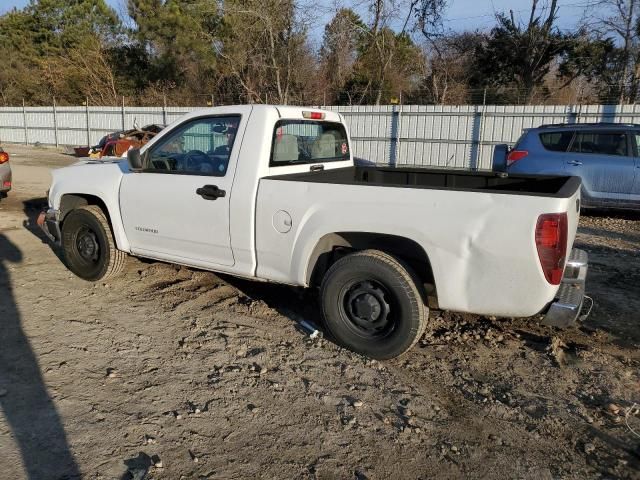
(433, 135)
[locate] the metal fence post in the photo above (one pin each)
(572, 115)
(398, 136)
(481, 126)
(579, 114)
(164, 109)
(55, 122)
(393, 136)
(123, 114)
(86, 103)
(24, 123)
(476, 125)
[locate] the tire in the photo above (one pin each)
(372, 304)
(88, 245)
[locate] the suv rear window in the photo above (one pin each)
(610, 143)
(556, 141)
(303, 141)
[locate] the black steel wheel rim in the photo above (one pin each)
(367, 307)
(87, 245)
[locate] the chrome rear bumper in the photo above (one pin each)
(566, 307)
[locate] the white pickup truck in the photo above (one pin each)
(271, 193)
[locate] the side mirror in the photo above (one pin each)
(135, 161)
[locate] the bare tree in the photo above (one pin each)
(448, 70)
(85, 70)
(518, 56)
(621, 19)
(339, 51)
(264, 48)
(384, 44)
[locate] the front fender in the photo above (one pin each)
(99, 180)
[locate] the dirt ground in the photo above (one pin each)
(170, 373)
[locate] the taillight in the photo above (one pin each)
(515, 155)
(551, 242)
(4, 157)
(6, 184)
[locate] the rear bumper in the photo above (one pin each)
(49, 223)
(566, 307)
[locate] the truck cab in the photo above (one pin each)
(193, 171)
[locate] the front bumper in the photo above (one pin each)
(49, 222)
(566, 307)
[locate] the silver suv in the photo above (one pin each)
(605, 155)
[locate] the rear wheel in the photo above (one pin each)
(89, 249)
(372, 304)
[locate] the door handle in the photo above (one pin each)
(574, 162)
(210, 192)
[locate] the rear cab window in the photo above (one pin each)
(299, 142)
(556, 141)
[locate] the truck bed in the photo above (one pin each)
(533, 185)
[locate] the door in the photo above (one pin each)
(605, 162)
(177, 207)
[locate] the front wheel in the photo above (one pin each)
(372, 304)
(89, 249)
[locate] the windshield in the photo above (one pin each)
(303, 141)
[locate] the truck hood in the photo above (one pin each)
(89, 177)
(99, 161)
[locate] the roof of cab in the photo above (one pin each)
(284, 111)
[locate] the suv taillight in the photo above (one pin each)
(4, 157)
(551, 242)
(515, 155)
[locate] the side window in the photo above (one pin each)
(199, 147)
(556, 141)
(303, 141)
(609, 143)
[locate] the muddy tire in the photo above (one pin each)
(372, 304)
(88, 245)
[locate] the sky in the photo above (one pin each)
(460, 14)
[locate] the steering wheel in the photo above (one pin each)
(194, 158)
(161, 163)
